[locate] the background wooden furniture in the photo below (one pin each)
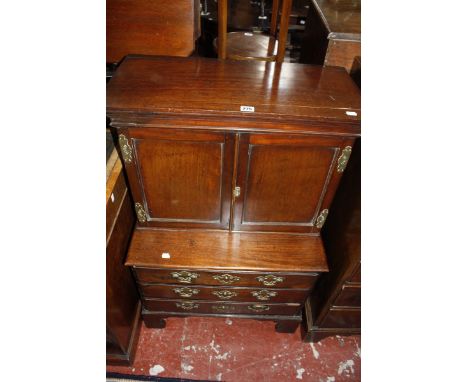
(247, 16)
(254, 46)
(160, 27)
(241, 161)
(123, 306)
(333, 33)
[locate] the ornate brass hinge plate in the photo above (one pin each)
(270, 280)
(321, 218)
(264, 294)
(125, 148)
(343, 159)
(225, 294)
(226, 278)
(186, 292)
(141, 213)
(184, 276)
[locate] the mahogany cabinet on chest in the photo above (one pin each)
(232, 167)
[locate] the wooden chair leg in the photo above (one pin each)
(222, 28)
(283, 29)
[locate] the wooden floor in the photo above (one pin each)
(223, 349)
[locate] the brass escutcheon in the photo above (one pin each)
(222, 308)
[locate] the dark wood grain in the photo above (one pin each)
(202, 292)
(333, 33)
(161, 27)
(193, 147)
(213, 307)
(245, 278)
(350, 296)
(341, 234)
(206, 87)
(226, 250)
(122, 300)
(183, 179)
(286, 181)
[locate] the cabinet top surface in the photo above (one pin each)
(212, 88)
(341, 17)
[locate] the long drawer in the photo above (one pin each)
(199, 292)
(342, 318)
(350, 295)
(225, 278)
(222, 307)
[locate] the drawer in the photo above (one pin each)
(225, 278)
(342, 318)
(220, 307)
(226, 293)
(350, 295)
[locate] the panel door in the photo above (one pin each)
(180, 178)
(286, 182)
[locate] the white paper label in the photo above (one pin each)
(166, 255)
(247, 109)
(352, 113)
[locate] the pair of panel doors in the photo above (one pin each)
(237, 181)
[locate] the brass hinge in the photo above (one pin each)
(343, 159)
(141, 213)
(321, 219)
(125, 148)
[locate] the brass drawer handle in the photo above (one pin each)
(186, 292)
(259, 308)
(225, 294)
(270, 280)
(222, 308)
(187, 305)
(184, 276)
(226, 278)
(264, 294)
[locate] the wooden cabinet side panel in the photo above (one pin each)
(122, 300)
(341, 237)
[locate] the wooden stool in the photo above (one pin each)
(254, 46)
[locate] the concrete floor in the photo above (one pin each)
(226, 349)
